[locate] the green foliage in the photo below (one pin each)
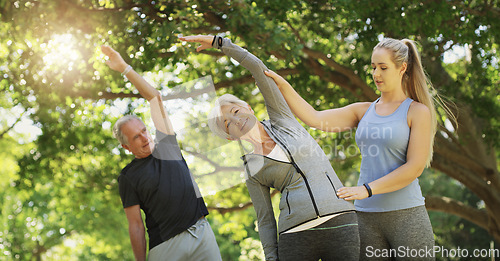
(451, 231)
(58, 188)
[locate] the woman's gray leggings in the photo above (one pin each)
(396, 235)
(336, 239)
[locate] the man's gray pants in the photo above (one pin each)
(196, 243)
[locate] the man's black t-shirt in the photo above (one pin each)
(165, 190)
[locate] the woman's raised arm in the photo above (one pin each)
(275, 103)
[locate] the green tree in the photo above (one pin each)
(62, 186)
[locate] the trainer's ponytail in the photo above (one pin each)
(416, 84)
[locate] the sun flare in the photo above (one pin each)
(61, 51)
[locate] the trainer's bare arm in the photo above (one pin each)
(158, 113)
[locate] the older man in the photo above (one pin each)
(159, 182)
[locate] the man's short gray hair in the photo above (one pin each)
(117, 128)
(215, 116)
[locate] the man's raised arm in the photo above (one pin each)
(158, 113)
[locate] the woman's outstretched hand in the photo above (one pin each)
(204, 40)
(115, 61)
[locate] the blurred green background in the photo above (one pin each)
(58, 181)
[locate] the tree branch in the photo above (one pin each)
(351, 81)
(451, 206)
(218, 167)
(240, 207)
(12, 126)
(214, 19)
(477, 185)
(452, 137)
(443, 147)
(346, 78)
(104, 9)
(314, 67)
(488, 9)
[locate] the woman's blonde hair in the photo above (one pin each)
(416, 83)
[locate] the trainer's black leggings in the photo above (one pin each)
(336, 239)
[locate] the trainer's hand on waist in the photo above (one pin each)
(351, 193)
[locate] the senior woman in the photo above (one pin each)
(313, 222)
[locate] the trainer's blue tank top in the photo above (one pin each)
(383, 142)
